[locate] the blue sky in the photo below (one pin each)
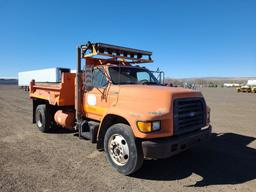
(198, 38)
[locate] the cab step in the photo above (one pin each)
(89, 130)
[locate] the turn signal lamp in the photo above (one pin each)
(148, 126)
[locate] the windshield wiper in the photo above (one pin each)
(127, 83)
(151, 83)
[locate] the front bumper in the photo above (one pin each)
(167, 147)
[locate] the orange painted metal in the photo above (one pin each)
(65, 118)
(132, 102)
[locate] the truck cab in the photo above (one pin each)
(123, 108)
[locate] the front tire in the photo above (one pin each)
(122, 151)
(42, 118)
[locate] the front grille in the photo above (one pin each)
(189, 115)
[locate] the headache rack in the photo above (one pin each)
(115, 53)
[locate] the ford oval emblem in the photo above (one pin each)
(192, 114)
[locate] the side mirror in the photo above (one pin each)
(160, 76)
(88, 78)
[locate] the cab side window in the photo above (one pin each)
(98, 78)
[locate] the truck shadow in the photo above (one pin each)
(60, 130)
(225, 159)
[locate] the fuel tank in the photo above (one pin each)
(65, 118)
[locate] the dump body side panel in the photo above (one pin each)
(61, 94)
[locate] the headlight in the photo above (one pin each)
(148, 126)
(155, 125)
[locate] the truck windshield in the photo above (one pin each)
(132, 75)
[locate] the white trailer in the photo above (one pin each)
(50, 75)
(251, 82)
(231, 84)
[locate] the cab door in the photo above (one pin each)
(98, 100)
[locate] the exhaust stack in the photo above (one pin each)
(78, 90)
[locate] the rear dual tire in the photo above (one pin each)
(42, 118)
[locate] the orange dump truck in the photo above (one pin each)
(122, 107)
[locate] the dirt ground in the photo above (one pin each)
(34, 161)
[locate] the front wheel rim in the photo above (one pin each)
(118, 149)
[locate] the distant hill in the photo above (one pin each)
(219, 78)
(8, 81)
(206, 81)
